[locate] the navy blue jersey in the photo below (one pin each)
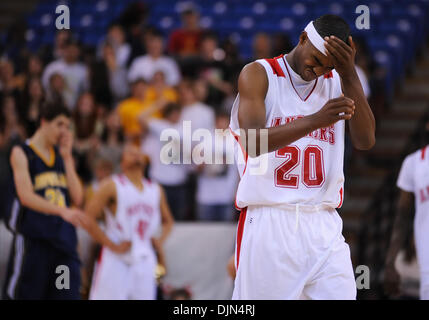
(49, 181)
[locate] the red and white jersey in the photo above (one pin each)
(137, 216)
(414, 177)
(309, 171)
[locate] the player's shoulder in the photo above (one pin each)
(19, 153)
(108, 184)
(422, 153)
(254, 67)
(416, 156)
(253, 77)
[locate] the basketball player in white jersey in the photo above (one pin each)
(289, 239)
(413, 180)
(134, 208)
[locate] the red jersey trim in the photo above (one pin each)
(328, 75)
(277, 70)
(423, 152)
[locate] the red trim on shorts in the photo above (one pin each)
(341, 198)
(97, 272)
(423, 152)
(237, 138)
(240, 230)
(277, 70)
(290, 78)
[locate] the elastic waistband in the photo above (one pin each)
(298, 207)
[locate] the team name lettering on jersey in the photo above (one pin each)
(322, 134)
(140, 208)
(49, 179)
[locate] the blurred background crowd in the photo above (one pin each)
(130, 83)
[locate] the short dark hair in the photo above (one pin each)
(170, 108)
(332, 25)
(51, 110)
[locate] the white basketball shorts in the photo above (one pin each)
(116, 280)
(296, 252)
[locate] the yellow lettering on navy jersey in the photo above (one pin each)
(49, 179)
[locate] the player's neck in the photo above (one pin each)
(39, 141)
(135, 175)
(291, 61)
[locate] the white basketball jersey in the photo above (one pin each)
(308, 171)
(137, 216)
(414, 177)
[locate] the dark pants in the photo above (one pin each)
(38, 271)
(215, 212)
(176, 198)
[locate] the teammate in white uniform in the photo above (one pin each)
(134, 209)
(289, 239)
(413, 180)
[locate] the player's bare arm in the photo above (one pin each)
(32, 200)
(403, 219)
(73, 182)
(104, 197)
(167, 222)
(362, 125)
(253, 87)
(167, 219)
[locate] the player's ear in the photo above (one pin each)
(303, 38)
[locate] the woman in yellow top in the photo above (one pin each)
(144, 98)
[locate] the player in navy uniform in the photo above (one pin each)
(45, 185)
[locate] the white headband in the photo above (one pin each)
(315, 38)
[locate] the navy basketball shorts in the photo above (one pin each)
(39, 271)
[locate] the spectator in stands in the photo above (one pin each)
(217, 182)
(116, 39)
(130, 108)
(32, 100)
(172, 176)
(185, 41)
(199, 114)
(143, 99)
(34, 66)
(281, 44)
(74, 73)
(12, 129)
(85, 122)
(33, 69)
(61, 42)
(56, 89)
(262, 46)
(112, 138)
(159, 89)
(9, 83)
(210, 67)
(145, 66)
(133, 20)
(109, 82)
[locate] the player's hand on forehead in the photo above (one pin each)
(343, 55)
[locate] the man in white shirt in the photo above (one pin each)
(74, 73)
(413, 182)
(217, 182)
(173, 176)
(146, 65)
(200, 114)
